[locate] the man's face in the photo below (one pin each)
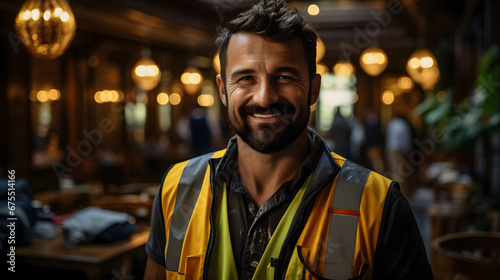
(267, 91)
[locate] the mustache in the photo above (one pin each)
(278, 108)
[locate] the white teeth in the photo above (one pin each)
(265, 115)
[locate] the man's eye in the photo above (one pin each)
(246, 78)
(285, 79)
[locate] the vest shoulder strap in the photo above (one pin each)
(188, 191)
(339, 256)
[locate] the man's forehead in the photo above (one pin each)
(249, 43)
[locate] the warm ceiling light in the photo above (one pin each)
(46, 27)
(426, 62)
(43, 96)
(344, 68)
(414, 63)
(373, 61)
(64, 16)
(162, 98)
(313, 9)
(35, 14)
(54, 94)
(46, 15)
(146, 74)
(113, 96)
(205, 100)
(97, 97)
(405, 83)
(175, 98)
(26, 15)
(192, 78)
(104, 96)
(423, 68)
(388, 97)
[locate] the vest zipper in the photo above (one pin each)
(284, 254)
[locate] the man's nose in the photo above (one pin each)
(266, 94)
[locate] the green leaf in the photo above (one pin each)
(439, 112)
(425, 106)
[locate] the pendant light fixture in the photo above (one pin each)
(373, 61)
(423, 68)
(192, 79)
(45, 27)
(146, 74)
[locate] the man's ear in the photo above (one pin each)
(315, 87)
(222, 90)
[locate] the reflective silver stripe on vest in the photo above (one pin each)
(339, 256)
(188, 190)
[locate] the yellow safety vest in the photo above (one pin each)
(337, 241)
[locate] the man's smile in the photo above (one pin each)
(266, 116)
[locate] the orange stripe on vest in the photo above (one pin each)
(343, 212)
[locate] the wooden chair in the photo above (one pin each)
(467, 256)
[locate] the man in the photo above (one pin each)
(277, 204)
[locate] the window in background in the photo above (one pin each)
(336, 91)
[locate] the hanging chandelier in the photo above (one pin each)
(373, 61)
(146, 74)
(423, 68)
(344, 68)
(46, 27)
(192, 79)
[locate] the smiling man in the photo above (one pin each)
(268, 91)
(277, 203)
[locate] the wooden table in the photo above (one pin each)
(95, 261)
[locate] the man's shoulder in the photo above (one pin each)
(193, 165)
(201, 158)
(375, 179)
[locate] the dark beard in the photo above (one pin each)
(271, 138)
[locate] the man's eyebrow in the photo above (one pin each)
(242, 72)
(291, 70)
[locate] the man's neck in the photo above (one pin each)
(263, 174)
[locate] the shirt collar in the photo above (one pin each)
(227, 165)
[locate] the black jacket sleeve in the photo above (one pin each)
(155, 247)
(400, 252)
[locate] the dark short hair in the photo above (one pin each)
(271, 19)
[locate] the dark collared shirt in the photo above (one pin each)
(251, 227)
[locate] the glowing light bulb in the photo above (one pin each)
(313, 9)
(162, 98)
(388, 97)
(175, 99)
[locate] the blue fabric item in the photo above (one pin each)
(96, 225)
(23, 211)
